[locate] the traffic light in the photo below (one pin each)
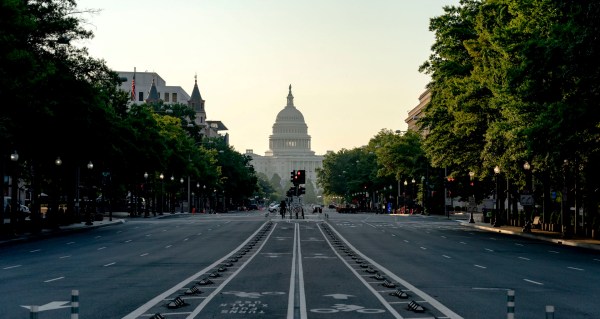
(293, 176)
(301, 190)
(301, 176)
(290, 192)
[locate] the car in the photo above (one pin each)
(253, 207)
(273, 208)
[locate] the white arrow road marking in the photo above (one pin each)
(339, 296)
(50, 306)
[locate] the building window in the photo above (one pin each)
(141, 96)
(174, 97)
(166, 97)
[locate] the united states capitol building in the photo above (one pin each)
(289, 147)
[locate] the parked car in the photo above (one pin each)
(274, 208)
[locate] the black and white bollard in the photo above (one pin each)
(549, 312)
(33, 312)
(74, 304)
(510, 305)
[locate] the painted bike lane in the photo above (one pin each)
(294, 274)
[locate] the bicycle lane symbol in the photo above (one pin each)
(346, 308)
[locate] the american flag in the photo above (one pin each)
(133, 86)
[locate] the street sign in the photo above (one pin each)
(527, 200)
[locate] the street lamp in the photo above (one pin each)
(497, 210)
(528, 191)
(171, 197)
(88, 218)
(162, 193)
(146, 212)
(181, 182)
(413, 194)
(56, 215)
(14, 157)
(404, 197)
(471, 176)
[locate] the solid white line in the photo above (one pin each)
(303, 314)
(290, 310)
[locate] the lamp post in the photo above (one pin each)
(413, 194)
(497, 204)
(55, 211)
(528, 192)
(171, 197)
(146, 211)
(182, 191)
(471, 176)
(197, 202)
(88, 219)
(14, 157)
(162, 193)
(404, 197)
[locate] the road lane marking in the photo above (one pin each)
(479, 266)
(35, 250)
(62, 257)
(11, 267)
(109, 264)
(524, 258)
(54, 279)
(446, 256)
(144, 254)
(534, 282)
(575, 268)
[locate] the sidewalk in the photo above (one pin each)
(117, 218)
(553, 237)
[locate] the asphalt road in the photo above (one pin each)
(248, 265)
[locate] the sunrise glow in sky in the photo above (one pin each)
(353, 64)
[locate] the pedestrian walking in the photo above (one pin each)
(282, 208)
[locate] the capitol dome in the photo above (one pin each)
(290, 132)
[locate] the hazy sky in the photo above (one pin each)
(353, 64)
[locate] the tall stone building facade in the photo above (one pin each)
(289, 147)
